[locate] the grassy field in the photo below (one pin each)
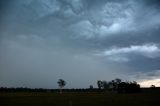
(79, 99)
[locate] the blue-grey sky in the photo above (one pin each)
(81, 41)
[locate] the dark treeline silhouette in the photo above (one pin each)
(131, 87)
(116, 85)
(119, 86)
(124, 89)
(21, 89)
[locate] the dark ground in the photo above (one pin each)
(79, 99)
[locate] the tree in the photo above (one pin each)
(105, 85)
(100, 84)
(118, 80)
(91, 87)
(128, 87)
(61, 84)
(152, 87)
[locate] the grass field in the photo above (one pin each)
(79, 99)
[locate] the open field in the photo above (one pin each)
(79, 99)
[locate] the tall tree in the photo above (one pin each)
(61, 84)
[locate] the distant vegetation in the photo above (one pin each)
(61, 84)
(119, 86)
(108, 93)
(116, 85)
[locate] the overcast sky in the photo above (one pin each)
(80, 41)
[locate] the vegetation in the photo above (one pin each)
(61, 84)
(109, 93)
(119, 86)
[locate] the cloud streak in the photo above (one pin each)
(122, 54)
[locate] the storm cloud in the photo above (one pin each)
(80, 41)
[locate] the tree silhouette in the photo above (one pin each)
(61, 84)
(153, 87)
(91, 87)
(128, 87)
(100, 84)
(118, 80)
(119, 86)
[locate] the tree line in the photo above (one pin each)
(116, 85)
(119, 86)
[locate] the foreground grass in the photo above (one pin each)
(79, 99)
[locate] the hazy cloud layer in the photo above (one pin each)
(80, 41)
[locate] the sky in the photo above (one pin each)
(80, 41)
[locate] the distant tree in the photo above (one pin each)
(110, 85)
(61, 84)
(119, 86)
(128, 87)
(118, 80)
(99, 84)
(105, 85)
(91, 87)
(152, 87)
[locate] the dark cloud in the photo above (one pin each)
(4, 4)
(55, 39)
(152, 2)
